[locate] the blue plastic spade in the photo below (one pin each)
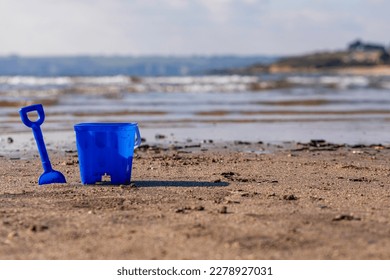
(49, 176)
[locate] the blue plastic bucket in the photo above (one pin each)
(106, 149)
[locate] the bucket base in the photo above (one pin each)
(113, 178)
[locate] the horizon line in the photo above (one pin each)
(137, 55)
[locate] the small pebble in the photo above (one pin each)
(346, 217)
(38, 228)
(290, 197)
(223, 210)
(12, 235)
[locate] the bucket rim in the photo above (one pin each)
(104, 125)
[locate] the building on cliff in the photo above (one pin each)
(360, 53)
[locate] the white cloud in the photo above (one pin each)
(187, 26)
(223, 11)
(219, 10)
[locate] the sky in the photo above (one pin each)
(188, 27)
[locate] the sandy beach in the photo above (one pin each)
(377, 70)
(209, 201)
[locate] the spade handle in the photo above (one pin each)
(36, 128)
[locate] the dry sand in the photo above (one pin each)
(311, 201)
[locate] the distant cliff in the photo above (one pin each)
(357, 54)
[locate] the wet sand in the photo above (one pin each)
(377, 70)
(380, 70)
(237, 200)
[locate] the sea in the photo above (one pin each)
(270, 108)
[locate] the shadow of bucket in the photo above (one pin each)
(106, 149)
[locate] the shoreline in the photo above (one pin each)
(21, 144)
(60, 143)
